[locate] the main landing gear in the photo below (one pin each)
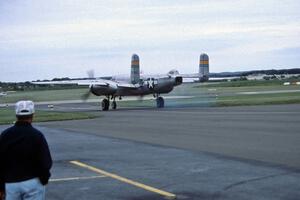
(105, 104)
(160, 103)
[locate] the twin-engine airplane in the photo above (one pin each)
(112, 89)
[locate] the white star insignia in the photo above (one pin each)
(151, 84)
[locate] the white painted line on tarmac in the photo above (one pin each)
(125, 180)
(269, 92)
(198, 112)
(76, 178)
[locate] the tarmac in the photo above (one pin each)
(188, 153)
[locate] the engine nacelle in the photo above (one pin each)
(100, 90)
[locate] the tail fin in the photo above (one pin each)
(135, 69)
(204, 67)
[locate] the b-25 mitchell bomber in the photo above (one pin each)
(111, 89)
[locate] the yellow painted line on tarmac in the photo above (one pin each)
(125, 180)
(75, 178)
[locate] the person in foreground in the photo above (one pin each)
(25, 159)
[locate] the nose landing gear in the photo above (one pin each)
(114, 105)
(105, 103)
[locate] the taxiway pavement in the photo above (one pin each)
(262, 133)
(194, 153)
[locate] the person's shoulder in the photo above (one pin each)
(6, 131)
(37, 132)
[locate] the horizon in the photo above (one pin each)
(217, 73)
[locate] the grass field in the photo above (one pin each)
(235, 93)
(7, 116)
(258, 99)
(44, 95)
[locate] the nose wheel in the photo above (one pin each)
(160, 103)
(105, 104)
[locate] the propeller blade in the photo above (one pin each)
(91, 74)
(86, 95)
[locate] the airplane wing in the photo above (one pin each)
(101, 82)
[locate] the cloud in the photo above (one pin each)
(167, 33)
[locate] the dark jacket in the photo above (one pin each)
(24, 154)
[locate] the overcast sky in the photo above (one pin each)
(43, 39)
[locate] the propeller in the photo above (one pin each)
(91, 75)
(86, 95)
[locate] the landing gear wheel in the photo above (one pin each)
(160, 103)
(114, 105)
(105, 104)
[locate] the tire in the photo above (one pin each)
(160, 103)
(114, 105)
(105, 104)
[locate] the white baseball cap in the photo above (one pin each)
(24, 108)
